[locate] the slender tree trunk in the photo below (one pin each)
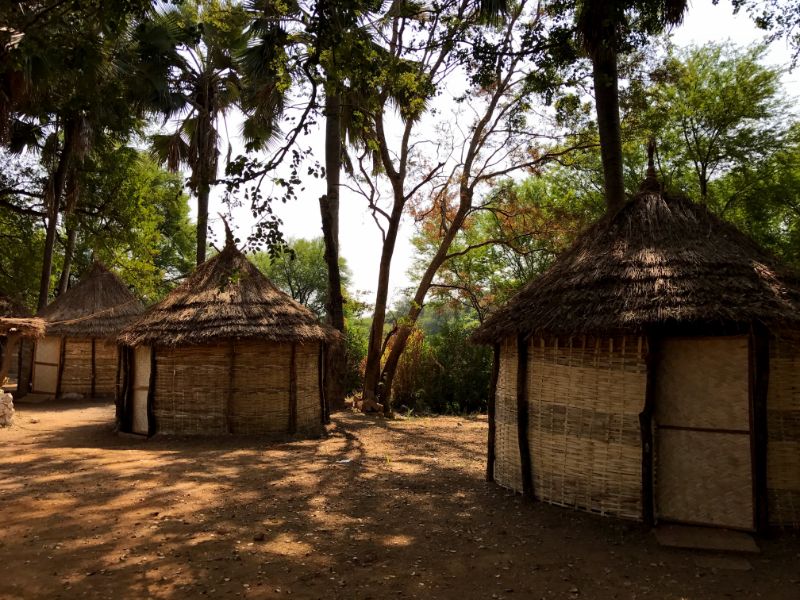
(372, 370)
(404, 331)
(336, 360)
(55, 189)
(202, 221)
(69, 252)
(606, 93)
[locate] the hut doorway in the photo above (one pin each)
(141, 388)
(703, 459)
(46, 363)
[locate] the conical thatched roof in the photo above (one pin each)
(226, 297)
(99, 306)
(661, 260)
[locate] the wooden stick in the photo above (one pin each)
(522, 417)
(94, 369)
(231, 384)
(323, 401)
(490, 453)
(759, 345)
(646, 429)
(151, 390)
(293, 391)
(61, 355)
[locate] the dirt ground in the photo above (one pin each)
(378, 509)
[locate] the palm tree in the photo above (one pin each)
(604, 27)
(202, 85)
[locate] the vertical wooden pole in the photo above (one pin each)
(231, 385)
(522, 417)
(94, 369)
(151, 391)
(323, 401)
(490, 456)
(61, 354)
(646, 429)
(293, 391)
(120, 356)
(759, 352)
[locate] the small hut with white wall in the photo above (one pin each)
(225, 352)
(78, 355)
(653, 373)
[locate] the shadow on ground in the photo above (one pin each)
(376, 509)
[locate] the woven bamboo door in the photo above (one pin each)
(141, 388)
(703, 463)
(46, 360)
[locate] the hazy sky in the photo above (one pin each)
(360, 238)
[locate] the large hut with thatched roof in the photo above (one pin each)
(78, 354)
(16, 326)
(225, 352)
(653, 373)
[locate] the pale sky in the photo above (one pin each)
(360, 238)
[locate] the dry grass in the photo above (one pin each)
(661, 260)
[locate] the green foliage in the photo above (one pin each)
(440, 370)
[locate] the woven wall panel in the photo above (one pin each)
(507, 469)
(76, 377)
(142, 360)
(783, 431)
(309, 410)
(585, 397)
(105, 365)
(704, 382)
(704, 477)
(260, 401)
(191, 389)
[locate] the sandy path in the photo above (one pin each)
(376, 510)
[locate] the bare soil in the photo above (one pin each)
(377, 509)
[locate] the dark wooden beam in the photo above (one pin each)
(522, 417)
(323, 401)
(94, 369)
(152, 426)
(646, 428)
(490, 455)
(759, 386)
(293, 391)
(61, 354)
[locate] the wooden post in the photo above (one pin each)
(522, 417)
(646, 429)
(94, 369)
(759, 352)
(12, 343)
(293, 391)
(231, 384)
(120, 357)
(151, 390)
(61, 355)
(490, 456)
(323, 401)
(124, 390)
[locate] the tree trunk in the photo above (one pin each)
(404, 331)
(55, 189)
(604, 63)
(335, 359)
(202, 221)
(69, 251)
(372, 371)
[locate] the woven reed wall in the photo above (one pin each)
(783, 432)
(106, 357)
(585, 397)
(195, 383)
(260, 401)
(76, 377)
(45, 364)
(507, 469)
(309, 409)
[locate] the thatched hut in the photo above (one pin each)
(78, 354)
(225, 352)
(653, 373)
(16, 325)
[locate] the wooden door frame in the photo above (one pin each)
(758, 377)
